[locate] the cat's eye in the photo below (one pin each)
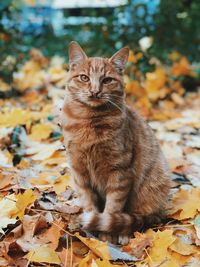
(107, 80)
(84, 78)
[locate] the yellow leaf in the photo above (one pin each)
(87, 261)
(30, 76)
(104, 263)
(43, 254)
(4, 86)
(162, 240)
(98, 247)
(61, 183)
(187, 202)
(14, 117)
(134, 87)
(155, 84)
(40, 132)
(23, 200)
(174, 259)
(134, 57)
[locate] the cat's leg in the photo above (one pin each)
(117, 191)
(151, 198)
(87, 197)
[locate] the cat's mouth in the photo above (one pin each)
(96, 100)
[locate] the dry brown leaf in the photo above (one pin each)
(138, 245)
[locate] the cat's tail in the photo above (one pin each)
(110, 223)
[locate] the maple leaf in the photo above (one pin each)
(22, 202)
(161, 241)
(185, 204)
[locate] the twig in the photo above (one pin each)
(171, 226)
(66, 257)
(71, 252)
(30, 259)
(148, 255)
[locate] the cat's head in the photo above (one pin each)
(96, 81)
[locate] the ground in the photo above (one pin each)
(38, 224)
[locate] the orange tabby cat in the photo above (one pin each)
(118, 168)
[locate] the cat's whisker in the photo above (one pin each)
(113, 95)
(114, 104)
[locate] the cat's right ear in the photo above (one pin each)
(76, 54)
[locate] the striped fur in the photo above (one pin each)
(119, 171)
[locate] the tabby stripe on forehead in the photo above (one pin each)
(95, 66)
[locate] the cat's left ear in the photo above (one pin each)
(120, 58)
(76, 54)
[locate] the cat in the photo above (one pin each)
(120, 173)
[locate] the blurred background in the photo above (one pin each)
(164, 38)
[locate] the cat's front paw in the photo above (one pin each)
(108, 237)
(121, 239)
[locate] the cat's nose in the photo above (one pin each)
(95, 93)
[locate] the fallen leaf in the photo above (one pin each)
(40, 132)
(61, 183)
(23, 201)
(7, 208)
(196, 223)
(186, 203)
(98, 247)
(43, 255)
(183, 248)
(138, 245)
(14, 117)
(103, 263)
(161, 242)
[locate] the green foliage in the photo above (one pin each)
(174, 26)
(177, 27)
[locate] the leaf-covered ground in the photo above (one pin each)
(38, 215)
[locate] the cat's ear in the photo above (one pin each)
(120, 58)
(76, 54)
